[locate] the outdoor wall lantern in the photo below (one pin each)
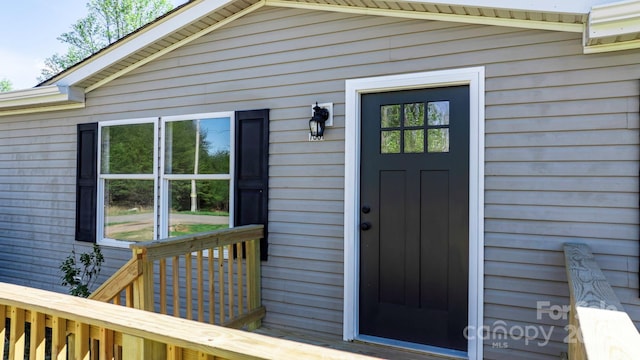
(319, 121)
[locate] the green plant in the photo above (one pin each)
(80, 273)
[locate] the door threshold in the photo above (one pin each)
(431, 350)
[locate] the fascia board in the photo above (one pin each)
(139, 41)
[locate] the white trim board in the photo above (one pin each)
(474, 78)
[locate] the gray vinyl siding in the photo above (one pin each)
(561, 156)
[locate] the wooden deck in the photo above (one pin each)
(368, 349)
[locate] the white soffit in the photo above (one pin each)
(469, 12)
(548, 6)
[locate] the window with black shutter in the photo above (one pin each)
(196, 176)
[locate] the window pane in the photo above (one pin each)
(438, 140)
(438, 113)
(414, 114)
(127, 149)
(414, 141)
(390, 116)
(128, 212)
(390, 142)
(202, 144)
(198, 206)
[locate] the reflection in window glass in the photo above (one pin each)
(202, 144)
(127, 149)
(414, 141)
(414, 114)
(390, 116)
(438, 113)
(212, 203)
(128, 210)
(390, 142)
(438, 140)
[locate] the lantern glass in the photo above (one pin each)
(316, 127)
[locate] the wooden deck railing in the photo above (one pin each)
(210, 277)
(599, 328)
(47, 325)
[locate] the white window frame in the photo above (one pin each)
(165, 178)
(160, 179)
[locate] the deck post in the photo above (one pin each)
(253, 280)
(134, 347)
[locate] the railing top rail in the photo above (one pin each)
(210, 339)
(180, 245)
(588, 284)
(605, 329)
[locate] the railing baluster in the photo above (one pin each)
(239, 258)
(58, 338)
(16, 334)
(81, 341)
(106, 344)
(3, 328)
(128, 298)
(174, 352)
(94, 346)
(230, 279)
(212, 291)
(37, 343)
(163, 285)
(200, 280)
(221, 284)
(175, 267)
(189, 285)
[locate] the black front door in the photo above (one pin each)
(414, 214)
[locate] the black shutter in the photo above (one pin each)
(251, 180)
(86, 182)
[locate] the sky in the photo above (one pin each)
(28, 34)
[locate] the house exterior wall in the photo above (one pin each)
(561, 156)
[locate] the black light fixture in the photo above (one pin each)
(316, 124)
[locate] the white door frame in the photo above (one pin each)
(474, 78)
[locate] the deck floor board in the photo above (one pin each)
(374, 350)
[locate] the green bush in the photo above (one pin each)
(80, 274)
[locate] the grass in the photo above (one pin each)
(209, 213)
(145, 234)
(185, 229)
(176, 230)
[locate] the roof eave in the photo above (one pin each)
(44, 98)
(610, 23)
(191, 12)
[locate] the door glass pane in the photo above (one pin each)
(127, 149)
(128, 212)
(414, 114)
(414, 141)
(202, 144)
(390, 116)
(198, 206)
(438, 140)
(390, 142)
(438, 113)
